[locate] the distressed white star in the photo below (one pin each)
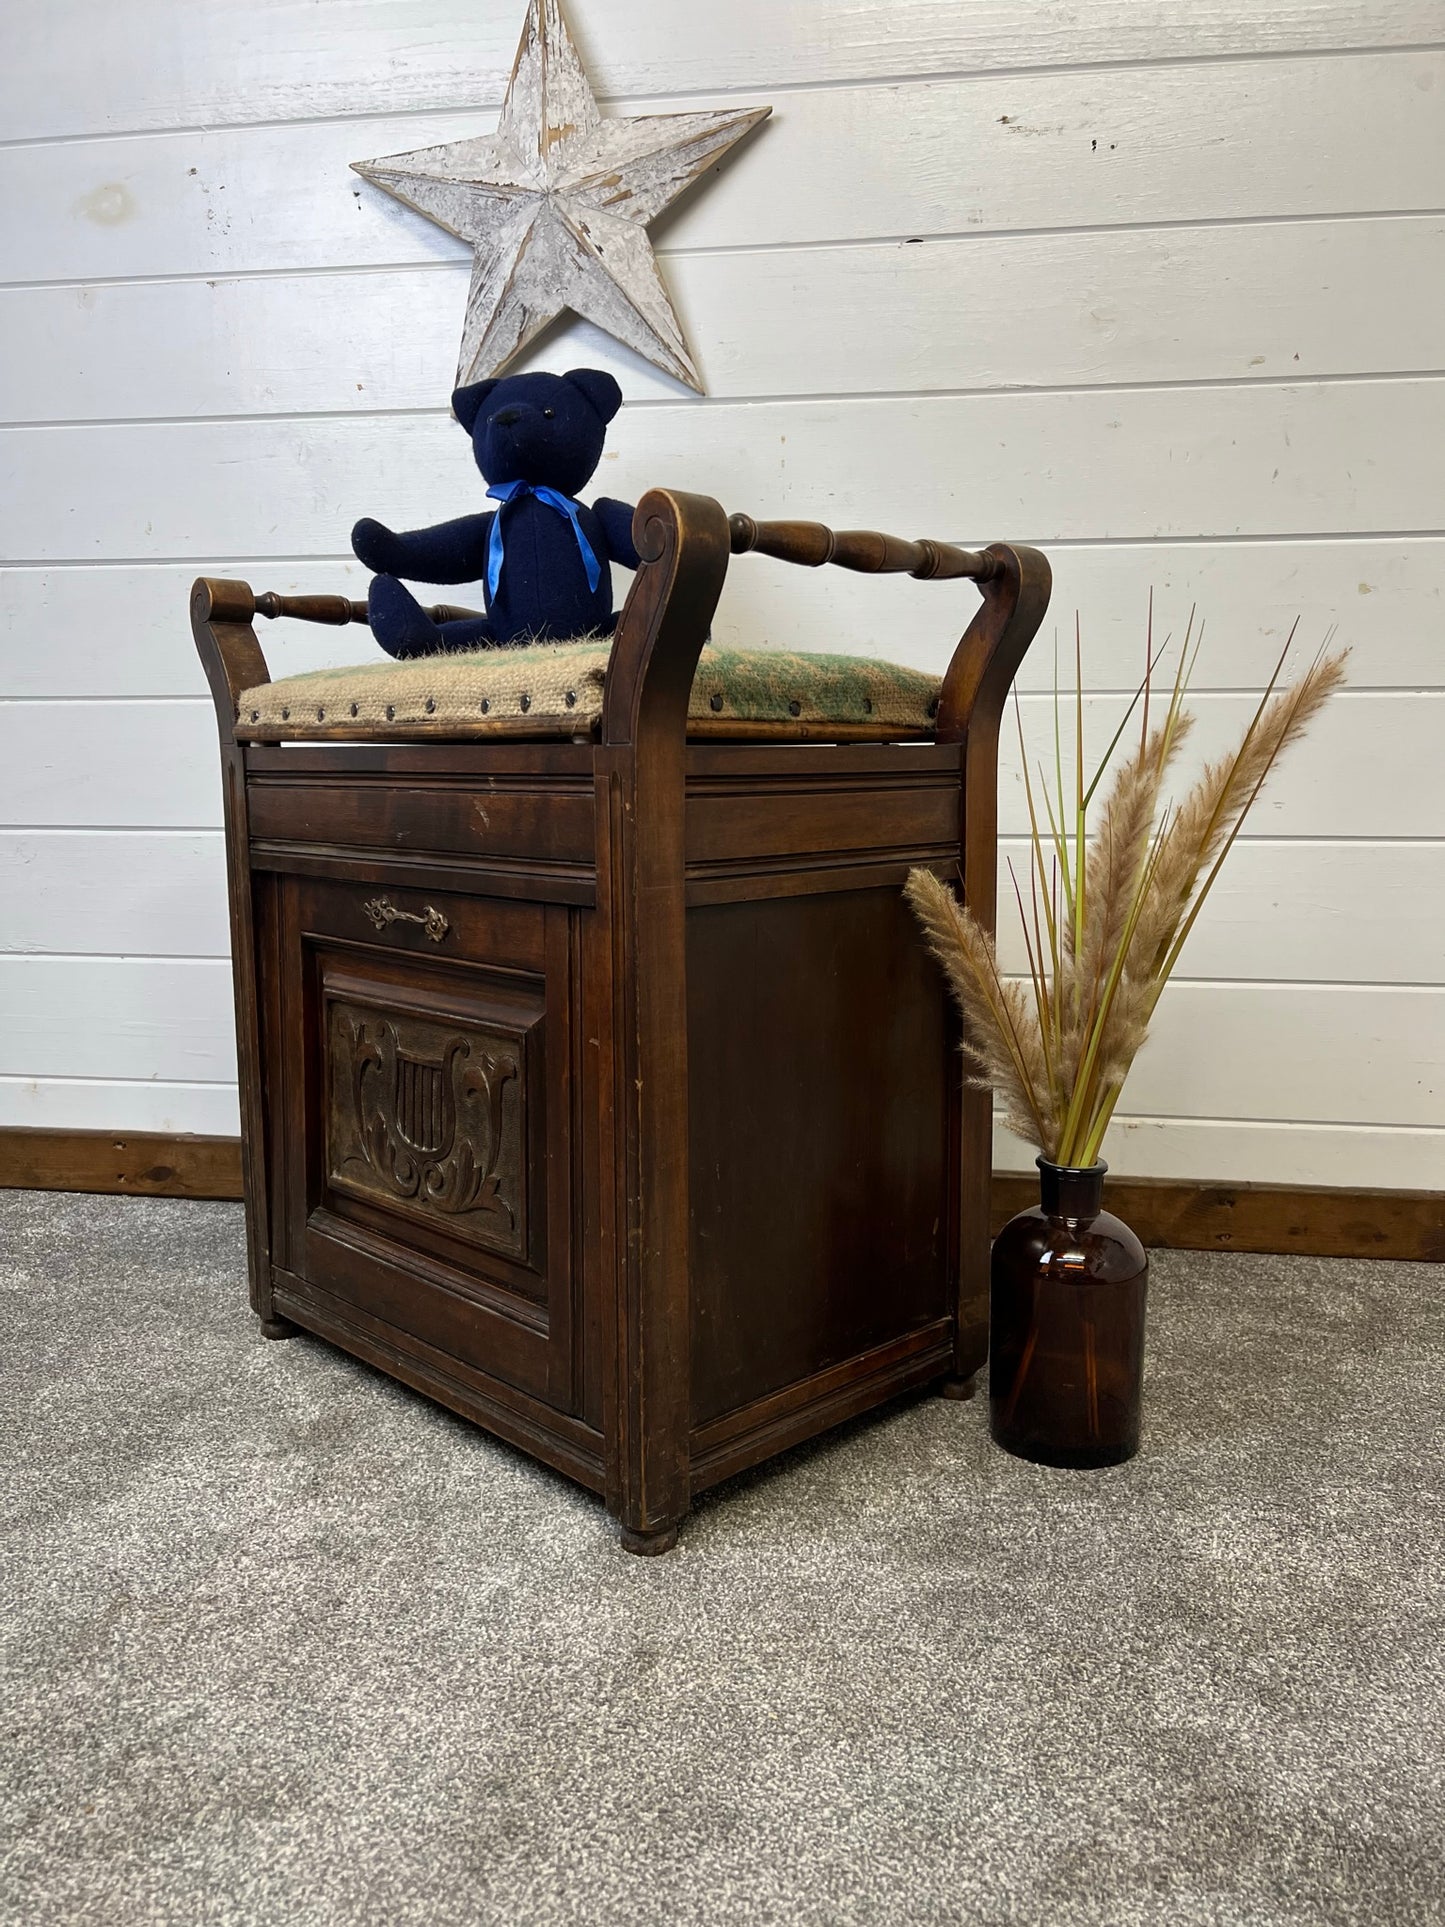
(556, 205)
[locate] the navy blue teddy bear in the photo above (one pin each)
(543, 556)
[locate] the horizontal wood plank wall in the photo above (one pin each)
(972, 163)
(902, 317)
(158, 64)
(1151, 286)
(1296, 1220)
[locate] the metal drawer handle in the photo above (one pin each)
(383, 911)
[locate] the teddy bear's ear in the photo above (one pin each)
(600, 389)
(467, 402)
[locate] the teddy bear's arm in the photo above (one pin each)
(448, 552)
(616, 520)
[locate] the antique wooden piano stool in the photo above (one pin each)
(594, 1079)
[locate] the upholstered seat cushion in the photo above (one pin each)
(555, 689)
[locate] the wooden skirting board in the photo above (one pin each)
(1311, 1221)
(1187, 1216)
(144, 1163)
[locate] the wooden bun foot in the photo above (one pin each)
(959, 1388)
(277, 1327)
(649, 1544)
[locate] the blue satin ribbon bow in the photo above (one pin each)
(505, 492)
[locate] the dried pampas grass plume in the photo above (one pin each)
(1001, 1041)
(1209, 817)
(1110, 914)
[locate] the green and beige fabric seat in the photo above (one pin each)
(555, 689)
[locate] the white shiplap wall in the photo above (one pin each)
(1157, 287)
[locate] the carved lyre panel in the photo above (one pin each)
(429, 1114)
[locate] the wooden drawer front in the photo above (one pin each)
(471, 817)
(422, 1105)
(426, 925)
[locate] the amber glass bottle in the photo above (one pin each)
(1066, 1350)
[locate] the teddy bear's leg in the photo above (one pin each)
(398, 621)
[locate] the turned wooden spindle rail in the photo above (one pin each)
(338, 609)
(866, 550)
(810, 544)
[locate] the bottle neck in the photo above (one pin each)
(1071, 1191)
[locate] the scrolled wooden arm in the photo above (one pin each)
(811, 544)
(221, 614)
(683, 543)
(970, 709)
(976, 683)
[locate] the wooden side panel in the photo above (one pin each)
(818, 1045)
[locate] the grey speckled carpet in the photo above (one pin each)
(288, 1644)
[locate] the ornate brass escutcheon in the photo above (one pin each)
(383, 912)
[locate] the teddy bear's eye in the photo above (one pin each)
(548, 413)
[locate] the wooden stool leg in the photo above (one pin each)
(277, 1327)
(641, 773)
(958, 1388)
(648, 1544)
(970, 707)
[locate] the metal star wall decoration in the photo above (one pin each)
(556, 205)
